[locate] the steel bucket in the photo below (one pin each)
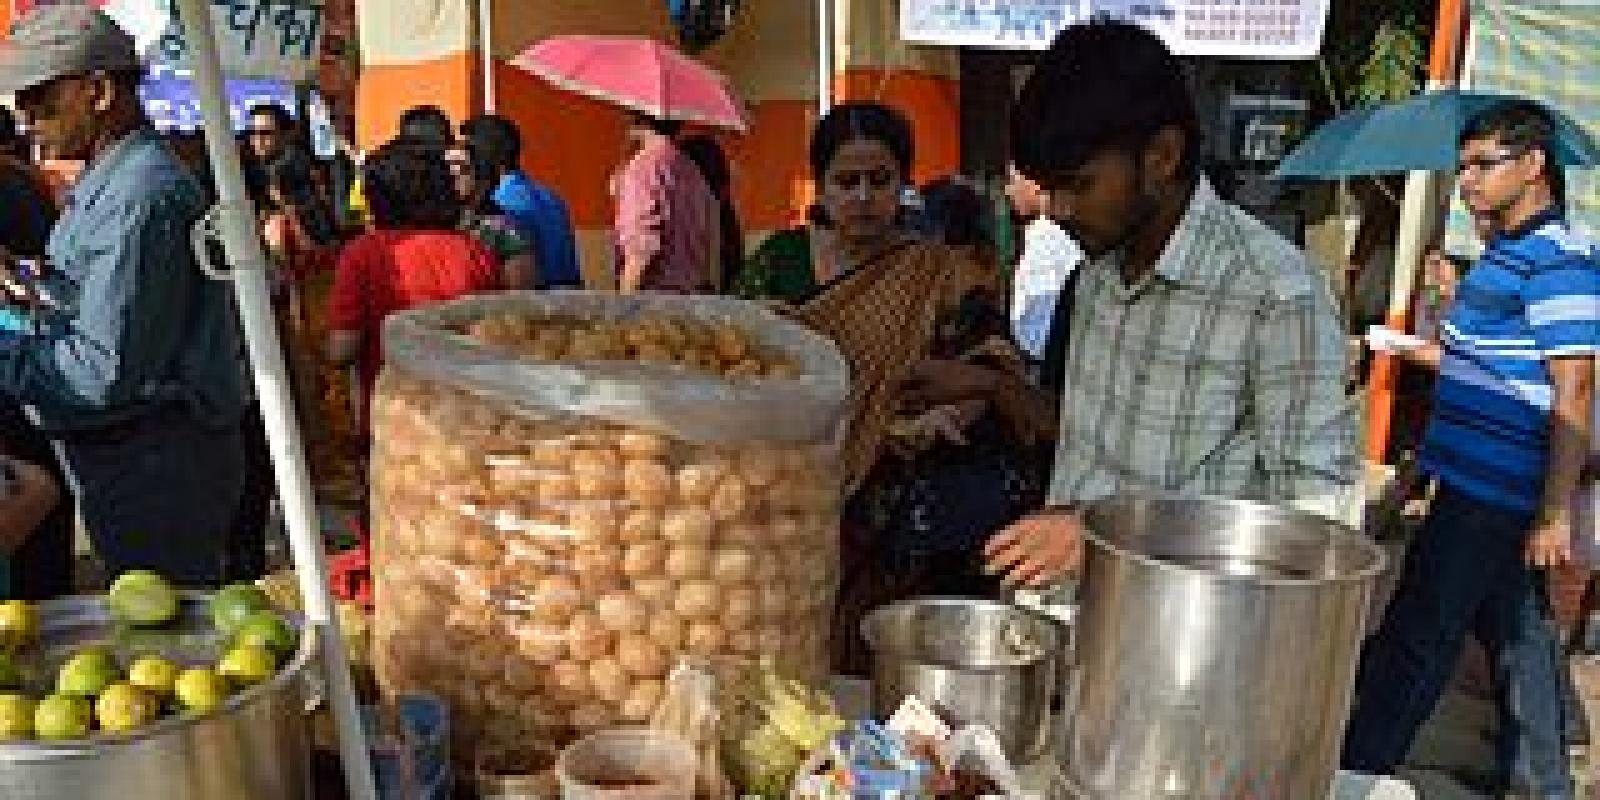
(974, 662)
(256, 747)
(1216, 649)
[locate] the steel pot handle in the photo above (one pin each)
(315, 689)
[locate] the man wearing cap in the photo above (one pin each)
(133, 366)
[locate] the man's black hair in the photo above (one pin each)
(427, 124)
(495, 139)
(1522, 126)
(1103, 84)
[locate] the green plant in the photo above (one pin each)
(1395, 68)
(1376, 50)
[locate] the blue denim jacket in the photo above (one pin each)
(136, 325)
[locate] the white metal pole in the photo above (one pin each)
(242, 243)
(1419, 220)
(825, 60)
(486, 45)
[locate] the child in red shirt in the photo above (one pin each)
(414, 255)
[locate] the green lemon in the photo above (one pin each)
(16, 717)
(142, 598)
(153, 674)
(267, 629)
(232, 604)
(123, 708)
(88, 672)
(248, 665)
(19, 624)
(201, 690)
(62, 716)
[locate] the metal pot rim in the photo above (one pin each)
(1377, 565)
(34, 751)
(1057, 628)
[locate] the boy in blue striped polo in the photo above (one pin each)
(1507, 442)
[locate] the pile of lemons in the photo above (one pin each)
(93, 690)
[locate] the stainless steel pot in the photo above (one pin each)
(1216, 649)
(257, 747)
(972, 662)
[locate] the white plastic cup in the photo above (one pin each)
(627, 764)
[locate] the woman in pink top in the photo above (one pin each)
(667, 224)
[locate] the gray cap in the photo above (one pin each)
(55, 41)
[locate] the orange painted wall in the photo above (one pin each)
(570, 142)
(771, 173)
(574, 144)
(933, 103)
(387, 90)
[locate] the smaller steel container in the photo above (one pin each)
(974, 662)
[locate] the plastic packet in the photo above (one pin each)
(689, 709)
(550, 538)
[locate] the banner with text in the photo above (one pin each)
(1268, 29)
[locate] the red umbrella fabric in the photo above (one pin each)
(640, 74)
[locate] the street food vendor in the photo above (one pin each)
(1204, 353)
(134, 366)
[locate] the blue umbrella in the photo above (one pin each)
(1419, 133)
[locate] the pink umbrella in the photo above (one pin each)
(640, 74)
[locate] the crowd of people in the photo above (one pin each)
(1151, 335)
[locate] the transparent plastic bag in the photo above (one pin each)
(688, 709)
(549, 538)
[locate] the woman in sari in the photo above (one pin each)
(940, 410)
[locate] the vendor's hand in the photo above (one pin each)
(1550, 544)
(936, 382)
(1037, 550)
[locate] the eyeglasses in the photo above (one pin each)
(1486, 163)
(260, 133)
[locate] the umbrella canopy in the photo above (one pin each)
(1421, 132)
(639, 74)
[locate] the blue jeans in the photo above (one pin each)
(1465, 575)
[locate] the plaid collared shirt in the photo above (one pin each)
(1221, 373)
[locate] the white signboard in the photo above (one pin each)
(1277, 29)
(256, 38)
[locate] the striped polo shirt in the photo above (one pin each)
(1533, 295)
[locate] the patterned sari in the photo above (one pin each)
(912, 302)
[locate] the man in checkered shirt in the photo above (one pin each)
(1204, 354)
